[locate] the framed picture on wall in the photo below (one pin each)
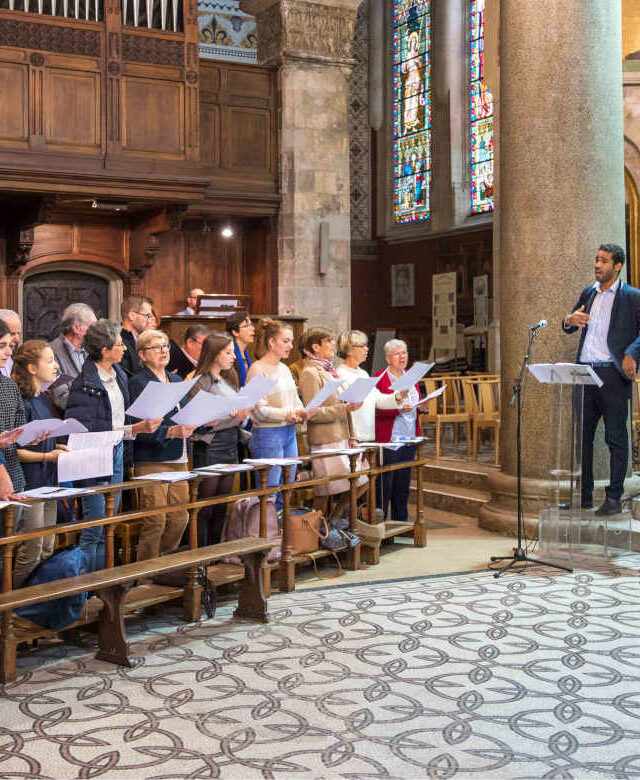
(403, 291)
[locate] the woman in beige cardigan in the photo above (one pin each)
(331, 426)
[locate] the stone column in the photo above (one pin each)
(561, 195)
(310, 43)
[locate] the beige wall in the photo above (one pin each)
(630, 26)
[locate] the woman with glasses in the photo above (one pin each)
(163, 450)
(218, 441)
(331, 426)
(98, 398)
(353, 348)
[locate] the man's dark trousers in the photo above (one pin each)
(611, 402)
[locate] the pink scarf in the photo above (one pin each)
(327, 365)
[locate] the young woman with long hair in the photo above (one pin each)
(218, 441)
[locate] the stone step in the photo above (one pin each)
(464, 475)
(456, 499)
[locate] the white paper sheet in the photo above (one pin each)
(52, 425)
(338, 451)
(430, 397)
(54, 492)
(273, 461)
(359, 390)
(410, 377)
(256, 389)
(159, 398)
(71, 426)
(205, 407)
(225, 468)
(385, 445)
(13, 503)
(325, 391)
(169, 476)
(93, 440)
(85, 463)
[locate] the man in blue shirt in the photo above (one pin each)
(608, 317)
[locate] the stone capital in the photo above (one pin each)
(313, 30)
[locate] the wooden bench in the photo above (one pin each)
(112, 585)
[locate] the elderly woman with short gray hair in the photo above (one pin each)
(393, 425)
(98, 399)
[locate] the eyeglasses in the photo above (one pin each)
(146, 316)
(120, 345)
(360, 346)
(246, 325)
(157, 348)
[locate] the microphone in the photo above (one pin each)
(541, 324)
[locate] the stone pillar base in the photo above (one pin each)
(500, 514)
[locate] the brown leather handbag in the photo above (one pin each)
(306, 531)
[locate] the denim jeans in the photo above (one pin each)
(277, 442)
(92, 539)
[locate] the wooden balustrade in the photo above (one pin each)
(192, 591)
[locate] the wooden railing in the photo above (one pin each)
(191, 593)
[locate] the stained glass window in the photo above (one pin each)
(411, 109)
(481, 118)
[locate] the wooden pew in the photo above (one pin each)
(112, 585)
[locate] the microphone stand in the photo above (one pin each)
(519, 555)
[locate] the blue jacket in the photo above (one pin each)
(155, 446)
(624, 327)
(89, 402)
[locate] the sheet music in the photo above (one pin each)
(256, 389)
(169, 476)
(93, 440)
(357, 392)
(52, 425)
(429, 397)
(159, 398)
(86, 463)
(325, 391)
(410, 377)
(206, 407)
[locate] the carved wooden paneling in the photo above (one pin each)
(52, 240)
(58, 37)
(159, 128)
(237, 124)
(210, 133)
(14, 123)
(245, 83)
(152, 49)
(249, 132)
(72, 109)
(101, 241)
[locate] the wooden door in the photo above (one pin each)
(45, 296)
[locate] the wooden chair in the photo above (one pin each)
(487, 415)
(447, 409)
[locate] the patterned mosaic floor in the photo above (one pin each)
(457, 676)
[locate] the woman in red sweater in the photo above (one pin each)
(396, 425)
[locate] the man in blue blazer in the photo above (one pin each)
(608, 317)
